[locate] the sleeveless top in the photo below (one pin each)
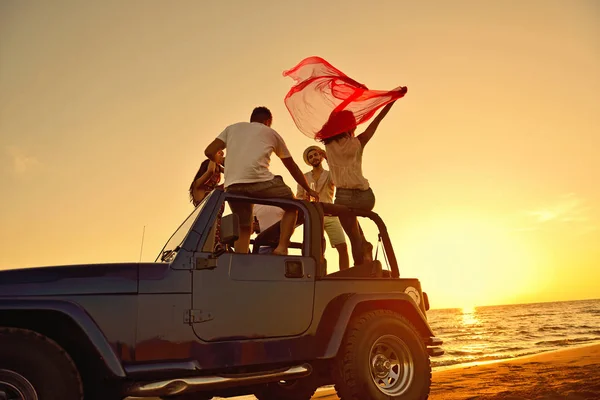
(344, 157)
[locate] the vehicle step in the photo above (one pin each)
(435, 351)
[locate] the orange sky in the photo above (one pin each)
(486, 173)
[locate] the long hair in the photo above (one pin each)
(337, 137)
(201, 171)
(203, 168)
(340, 124)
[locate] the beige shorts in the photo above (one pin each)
(334, 231)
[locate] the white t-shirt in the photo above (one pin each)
(249, 146)
(267, 215)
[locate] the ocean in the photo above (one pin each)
(503, 332)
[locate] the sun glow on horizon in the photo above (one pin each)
(469, 261)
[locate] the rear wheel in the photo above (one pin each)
(382, 357)
(33, 367)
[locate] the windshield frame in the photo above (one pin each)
(170, 250)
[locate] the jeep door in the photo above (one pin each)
(253, 296)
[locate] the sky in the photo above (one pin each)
(486, 173)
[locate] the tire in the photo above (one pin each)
(298, 389)
(382, 357)
(33, 367)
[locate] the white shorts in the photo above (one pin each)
(334, 231)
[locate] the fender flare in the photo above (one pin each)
(80, 317)
(331, 333)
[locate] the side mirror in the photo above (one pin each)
(230, 229)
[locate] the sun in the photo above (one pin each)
(469, 309)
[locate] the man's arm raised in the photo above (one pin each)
(298, 176)
(213, 148)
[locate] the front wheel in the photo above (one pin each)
(33, 367)
(382, 357)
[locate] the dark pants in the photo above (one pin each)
(359, 199)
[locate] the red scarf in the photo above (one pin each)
(325, 102)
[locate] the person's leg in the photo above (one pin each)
(364, 200)
(350, 225)
(242, 245)
(276, 188)
(345, 197)
(244, 213)
(343, 255)
(288, 222)
(335, 232)
(367, 246)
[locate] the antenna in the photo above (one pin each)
(142, 247)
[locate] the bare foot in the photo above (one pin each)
(280, 251)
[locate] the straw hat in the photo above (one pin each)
(308, 149)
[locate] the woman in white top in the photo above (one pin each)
(344, 156)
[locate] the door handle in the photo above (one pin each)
(294, 269)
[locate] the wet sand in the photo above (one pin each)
(570, 374)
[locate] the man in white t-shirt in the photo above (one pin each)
(249, 147)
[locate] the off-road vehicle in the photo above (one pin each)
(204, 321)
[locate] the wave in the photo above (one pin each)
(530, 315)
(464, 353)
(595, 312)
(447, 363)
(553, 328)
(510, 348)
(564, 342)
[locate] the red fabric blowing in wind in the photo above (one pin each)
(325, 102)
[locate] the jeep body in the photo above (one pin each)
(198, 323)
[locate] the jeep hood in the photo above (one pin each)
(70, 280)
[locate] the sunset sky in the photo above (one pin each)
(487, 173)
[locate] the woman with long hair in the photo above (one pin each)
(343, 152)
(206, 179)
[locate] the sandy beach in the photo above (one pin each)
(570, 374)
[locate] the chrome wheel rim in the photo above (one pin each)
(391, 365)
(14, 386)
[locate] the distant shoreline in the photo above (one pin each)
(515, 304)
